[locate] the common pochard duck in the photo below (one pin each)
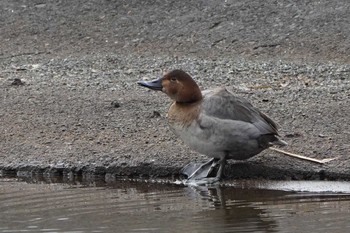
(215, 123)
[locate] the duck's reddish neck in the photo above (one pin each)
(188, 95)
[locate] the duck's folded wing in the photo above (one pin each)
(222, 104)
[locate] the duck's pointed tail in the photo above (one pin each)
(278, 142)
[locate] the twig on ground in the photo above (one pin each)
(320, 161)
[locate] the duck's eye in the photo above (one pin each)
(173, 79)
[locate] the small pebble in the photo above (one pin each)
(17, 82)
(115, 104)
(155, 114)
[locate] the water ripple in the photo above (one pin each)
(141, 207)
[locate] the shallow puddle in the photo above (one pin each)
(124, 206)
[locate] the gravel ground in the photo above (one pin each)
(70, 103)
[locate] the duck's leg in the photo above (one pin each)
(222, 163)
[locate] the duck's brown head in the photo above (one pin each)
(178, 85)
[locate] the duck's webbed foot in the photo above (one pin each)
(205, 173)
(199, 170)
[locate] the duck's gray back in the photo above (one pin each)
(222, 104)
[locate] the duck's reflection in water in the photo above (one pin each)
(227, 208)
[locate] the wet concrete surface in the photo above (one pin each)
(70, 104)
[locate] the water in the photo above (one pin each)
(124, 206)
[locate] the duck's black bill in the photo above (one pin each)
(154, 84)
